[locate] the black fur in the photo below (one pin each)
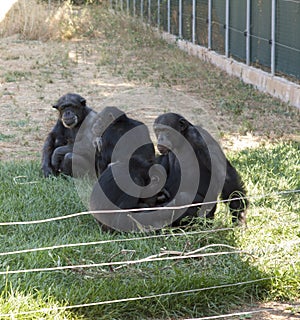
(217, 175)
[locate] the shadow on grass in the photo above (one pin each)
(206, 285)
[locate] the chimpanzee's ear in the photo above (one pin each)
(83, 102)
(183, 123)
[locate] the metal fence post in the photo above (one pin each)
(193, 21)
(134, 5)
(158, 13)
(169, 16)
(209, 24)
(248, 26)
(142, 9)
(273, 35)
(180, 19)
(227, 30)
(149, 11)
(127, 9)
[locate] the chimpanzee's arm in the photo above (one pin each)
(58, 156)
(203, 144)
(50, 144)
(48, 149)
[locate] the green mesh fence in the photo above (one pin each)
(261, 32)
(227, 26)
(174, 17)
(218, 26)
(187, 20)
(201, 23)
(288, 38)
(164, 14)
(237, 27)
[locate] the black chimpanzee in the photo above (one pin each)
(112, 124)
(179, 141)
(128, 176)
(58, 152)
(115, 190)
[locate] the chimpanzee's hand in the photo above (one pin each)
(47, 171)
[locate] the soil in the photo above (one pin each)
(34, 74)
(273, 311)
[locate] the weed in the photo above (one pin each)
(14, 76)
(19, 123)
(29, 19)
(6, 137)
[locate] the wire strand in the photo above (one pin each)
(70, 245)
(92, 304)
(73, 215)
(118, 263)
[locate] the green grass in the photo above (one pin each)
(127, 49)
(14, 76)
(6, 137)
(270, 243)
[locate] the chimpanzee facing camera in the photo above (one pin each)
(58, 155)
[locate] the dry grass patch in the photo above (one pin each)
(29, 19)
(36, 20)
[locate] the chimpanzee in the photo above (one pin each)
(214, 174)
(58, 152)
(113, 124)
(128, 175)
(143, 191)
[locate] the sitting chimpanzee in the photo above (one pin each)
(112, 124)
(58, 155)
(116, 189)
(182, 145)
(128, 176)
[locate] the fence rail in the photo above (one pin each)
(263, 34)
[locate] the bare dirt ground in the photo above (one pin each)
(33, 75)
(273, 311)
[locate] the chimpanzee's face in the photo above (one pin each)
(164, 138)
(71, 108)
(69, 115)
(166, 128)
